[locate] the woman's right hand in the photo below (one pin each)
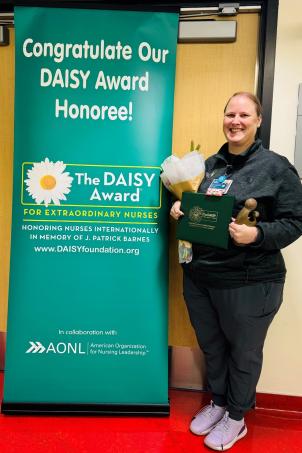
(175, 210)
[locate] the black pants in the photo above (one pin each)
(231, 326)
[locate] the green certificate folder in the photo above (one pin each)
(206, 219)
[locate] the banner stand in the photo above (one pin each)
(88, 296)
(85, 409)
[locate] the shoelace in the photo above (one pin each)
(223, 424)
(208, 410)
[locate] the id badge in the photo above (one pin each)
(219, 186)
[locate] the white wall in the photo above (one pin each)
(282, 371)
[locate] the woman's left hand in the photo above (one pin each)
(243, 234)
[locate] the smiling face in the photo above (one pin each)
(240, 123)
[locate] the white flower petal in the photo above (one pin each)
(48, 168)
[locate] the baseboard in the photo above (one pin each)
(264, 401)
(272, 401)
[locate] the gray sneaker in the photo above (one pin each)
(206, 419)
(225, 433)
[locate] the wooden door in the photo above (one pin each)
(206, 76)
(6, 167)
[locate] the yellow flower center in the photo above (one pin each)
(48, 182)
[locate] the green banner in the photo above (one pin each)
(88, 292)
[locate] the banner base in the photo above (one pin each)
(85, 409)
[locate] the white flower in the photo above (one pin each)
(47, 182)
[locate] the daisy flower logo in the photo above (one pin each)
(47, 182)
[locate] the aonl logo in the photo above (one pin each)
(36, 347)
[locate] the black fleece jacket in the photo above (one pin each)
(270, 179)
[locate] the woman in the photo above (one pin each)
(233, 295)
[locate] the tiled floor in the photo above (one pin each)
(268, 432)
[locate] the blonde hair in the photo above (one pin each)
(250, 96)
